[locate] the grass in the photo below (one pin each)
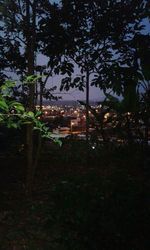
(100, 205)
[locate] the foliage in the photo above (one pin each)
(97, 35)
(103, 35)
(20, 22)
(14, 114)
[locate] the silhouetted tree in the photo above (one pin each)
(96, 36)
(19, 29)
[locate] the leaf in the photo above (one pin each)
(19, 108)
(9, 84)
(1, 118)
(14, 125)
(81, 88)
(17, 105)
(59, 142)
(27, 122)
(3, 105)
(30, 114)
(31, 79)
(38, 113)
(76, 80)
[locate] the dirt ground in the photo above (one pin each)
(104, 204)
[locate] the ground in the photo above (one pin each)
(100, 204)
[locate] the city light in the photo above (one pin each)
(66, 118)
(106, 115)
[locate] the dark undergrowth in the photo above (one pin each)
(94, 201)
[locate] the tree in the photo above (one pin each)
(20, 44)
(96, 36)
(15, 115)
(143, 67)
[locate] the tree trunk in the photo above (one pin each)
(39, 138)
(87, 107)
(30, 49)
(129, 132)
(41, 94)
(87, 117)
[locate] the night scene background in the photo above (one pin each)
(74, 124)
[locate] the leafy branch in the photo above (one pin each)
(13, 113)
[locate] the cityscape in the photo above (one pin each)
(69, 119)
(64, 120)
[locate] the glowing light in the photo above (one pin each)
(106, 115)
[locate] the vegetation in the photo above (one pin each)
(14, 115)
